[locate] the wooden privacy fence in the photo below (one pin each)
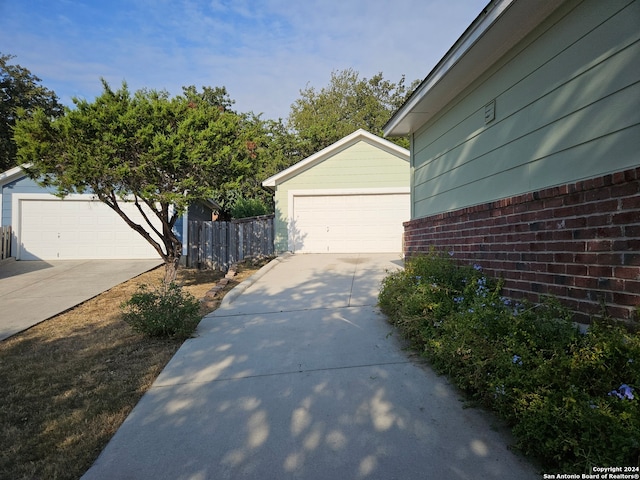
(5, 242)
(217, 245)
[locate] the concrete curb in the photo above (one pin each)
(239, 289)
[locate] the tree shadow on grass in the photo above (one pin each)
(64, 396)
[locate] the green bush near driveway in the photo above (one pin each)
(163, 311)
(571, 396)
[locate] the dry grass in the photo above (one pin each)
(68, 383)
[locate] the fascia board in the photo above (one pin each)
(332, 149)
(13, 174)
(480, 25)
(500, 26)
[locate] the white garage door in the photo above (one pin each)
(55, 229)
(348, 223)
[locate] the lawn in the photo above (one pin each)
(69, 382)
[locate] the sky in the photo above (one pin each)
(263, 52)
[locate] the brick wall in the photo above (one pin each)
(579, 242)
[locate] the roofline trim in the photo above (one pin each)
(326, 152)
(13, 173)
(467, 40)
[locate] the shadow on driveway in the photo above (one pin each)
(301, 376)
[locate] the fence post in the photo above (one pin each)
(5, 242)
(219, 245)
(207, 244)
(189, 245)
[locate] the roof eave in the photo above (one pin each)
(13, 173)
(326, 152)
(500, 26)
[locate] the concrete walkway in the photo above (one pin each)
(298, 375)
(33, 291)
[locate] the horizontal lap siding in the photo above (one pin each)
(579, 242)
(359, 166)
(566, 100)
(547, 195)
(281, 235)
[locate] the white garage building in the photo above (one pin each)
(351, 197)
(45, 227)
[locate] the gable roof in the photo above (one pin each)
(500, 26)
(12, 174)
(322, 155)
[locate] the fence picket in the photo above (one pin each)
(5, 242)
(217, 245)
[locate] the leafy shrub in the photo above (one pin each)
(250, 207)
(427, 289)
(570, 397)
(165, 311)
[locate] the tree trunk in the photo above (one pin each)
(174, 252)
(171, 269)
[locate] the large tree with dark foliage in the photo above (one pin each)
(162, 153)
(20, 94)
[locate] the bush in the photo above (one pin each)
(165, 311)
(571, 397)
(251, 207)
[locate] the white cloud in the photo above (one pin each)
(263, 52)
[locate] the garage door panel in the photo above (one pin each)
(78, 229)
(349, 223)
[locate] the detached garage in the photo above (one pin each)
(351, 197)
(75, 228)
(44, 227)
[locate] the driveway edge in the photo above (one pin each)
(245, 284)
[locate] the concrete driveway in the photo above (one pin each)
(33, 291)
(298, 376)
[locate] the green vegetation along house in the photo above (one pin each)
(351, 197)
(525, 151)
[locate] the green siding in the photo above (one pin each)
(566, 109)
(361, 165)
(281, 235)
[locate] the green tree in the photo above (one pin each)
(19, 92)
(214, 96)
(250, 207)
(323, 117)
(159, 152)
(275, 148)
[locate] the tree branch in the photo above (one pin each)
(112, 201)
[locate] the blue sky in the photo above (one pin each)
(263, 52)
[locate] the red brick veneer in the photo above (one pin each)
(579, 242)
